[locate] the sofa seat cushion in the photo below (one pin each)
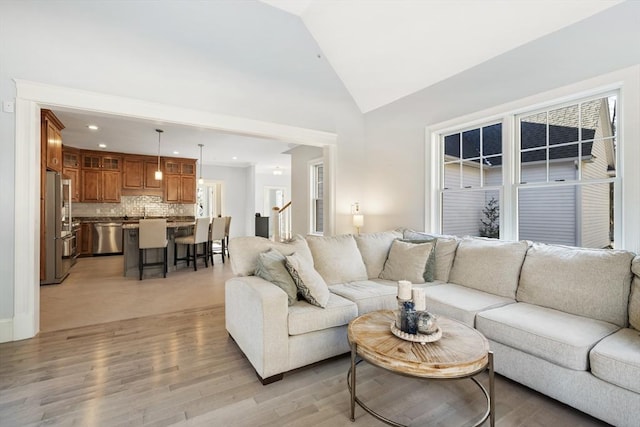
(368, 295)
(374, 248)
(587, 282)
(616, 359)
(560, 338)
(461, 303)
(337, 258)
(304, 317)
(488, 265)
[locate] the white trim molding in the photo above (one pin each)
(30, 96)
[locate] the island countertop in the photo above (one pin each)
(170, 224)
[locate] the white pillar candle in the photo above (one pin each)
(404, 289)
(419, 299)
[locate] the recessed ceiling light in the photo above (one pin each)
(176, 152)
(101, 145)
(234, 158)
(92, 127)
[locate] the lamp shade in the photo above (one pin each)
(358, 220)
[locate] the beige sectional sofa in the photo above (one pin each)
(564, 321)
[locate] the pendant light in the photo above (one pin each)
(158, 174)
(200, 180)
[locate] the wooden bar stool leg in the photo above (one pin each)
(195, 257)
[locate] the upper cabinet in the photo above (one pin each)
(71, 169)
(180, 180)
(138, 175)
(51, 134)
(101, 177)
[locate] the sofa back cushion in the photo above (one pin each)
(337, 258)
(488, 265)
(245, 251)
(445, 251)
(592, 283)
(374, 249)
(634, 298)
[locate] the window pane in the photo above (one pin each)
(563, 165)
(472, 213)
(575, 215)
(533, 166)
(470, 174)
(563, 125)
(452, 145)
(451, 176)
(533, 131)
(492, 169)
(492, 140)
(471, 144)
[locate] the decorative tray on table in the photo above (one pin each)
(418, 338)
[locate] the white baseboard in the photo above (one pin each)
(6, 330)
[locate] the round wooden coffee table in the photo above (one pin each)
(462, 352)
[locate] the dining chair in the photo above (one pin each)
(216, 244)
(227, 225)
(152, 234)
(199, 237)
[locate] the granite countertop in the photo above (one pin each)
(170, 224)
(132, 219)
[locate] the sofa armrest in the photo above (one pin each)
(256, 315)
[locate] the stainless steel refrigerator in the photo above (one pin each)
(59, 235)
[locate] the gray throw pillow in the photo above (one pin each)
(310, 284)
(270, 266)
(407, 261)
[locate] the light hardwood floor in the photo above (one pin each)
(181, 368)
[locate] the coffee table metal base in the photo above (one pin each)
(489, 413)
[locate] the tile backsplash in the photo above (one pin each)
(133, 206)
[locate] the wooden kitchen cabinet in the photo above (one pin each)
(101, 178)
(71, 169)
(85, 239)
(138, 173)
(180, 180)
(51, 139)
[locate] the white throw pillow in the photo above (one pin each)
(310, 284)
(407, 261)
(337, 258)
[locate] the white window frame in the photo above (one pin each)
(313, 189)
(507, 114)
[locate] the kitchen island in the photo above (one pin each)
(130, 248)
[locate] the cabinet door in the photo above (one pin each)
(74, 176)
(111, 163)
(86, 241)
(70, 159)
(172, 188)
(91, 185)
(54, 148)
(90, 161)
(188, 189)
(132, 175)
(150, 181)
(111, 184)
(172, 167)
(188, 168)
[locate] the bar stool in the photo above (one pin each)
(152, 234)
(200, 235)
(226, 233)
(216, 237)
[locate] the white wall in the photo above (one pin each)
(300, 187)
(397, 178)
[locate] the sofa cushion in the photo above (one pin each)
(616, 359)
(560, 338)
(588, 282)
(488, 265)
(445, 251)
(430, 267)
(337, 258)
(246, 250)
(368, 295)
(304, 317)
(407, 261)
(308, 281)
(374, 249)
(634, 298)
(270, 266)
(461, 303)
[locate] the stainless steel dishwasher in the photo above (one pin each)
(107, 238)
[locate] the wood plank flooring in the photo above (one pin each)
(182, 369)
